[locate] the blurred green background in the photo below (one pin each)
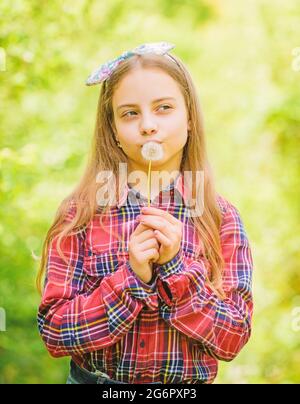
(240, 55)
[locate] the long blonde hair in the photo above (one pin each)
(99, 159)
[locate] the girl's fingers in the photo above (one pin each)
(140, 228)
(159, 212)
(143, 232)
(151, 254)
(159, 224)
(152, 243)
(162, 239)
(155, 256)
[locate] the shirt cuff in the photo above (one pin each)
(174, 266)
(172, 281)
(141, 290)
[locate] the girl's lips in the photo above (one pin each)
(156, 141)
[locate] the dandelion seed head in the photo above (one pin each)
(152, 151)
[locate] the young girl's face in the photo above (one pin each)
(148, 105)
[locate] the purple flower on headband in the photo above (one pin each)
(104, 71)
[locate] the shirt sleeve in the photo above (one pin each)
(189, 305)
(72, 321)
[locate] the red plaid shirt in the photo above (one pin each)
(172, 331)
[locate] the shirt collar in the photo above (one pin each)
(177, 184)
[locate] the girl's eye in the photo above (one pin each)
(126, 114)
(129, 112)
(164, 106)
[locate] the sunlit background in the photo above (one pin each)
(245, 61)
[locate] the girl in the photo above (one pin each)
(139, 294)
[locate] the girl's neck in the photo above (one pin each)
(156, 186)
(167, 173)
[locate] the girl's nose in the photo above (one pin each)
(148, 131)
(148, 126)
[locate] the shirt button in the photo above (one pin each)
(138, 376)
(142, 344)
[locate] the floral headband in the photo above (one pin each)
(104, 71)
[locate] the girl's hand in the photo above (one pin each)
(167, 230)
(143, 251)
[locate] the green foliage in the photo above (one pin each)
(240, 56)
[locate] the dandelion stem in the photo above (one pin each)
(149, 182)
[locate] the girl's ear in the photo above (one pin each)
(118, 142)
(115, 134)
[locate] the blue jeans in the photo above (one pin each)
(79, 375)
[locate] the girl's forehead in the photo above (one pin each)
(148, 83)
(139, 74)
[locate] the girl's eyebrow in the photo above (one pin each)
(153, 102)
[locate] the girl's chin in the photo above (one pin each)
(154, 163)
(143, 163)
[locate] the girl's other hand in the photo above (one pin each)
(143, 251)
(167, 230)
